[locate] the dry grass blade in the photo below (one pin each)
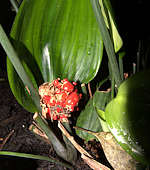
(84, 154)
(6, 139)
(37, 131)
(94, 164)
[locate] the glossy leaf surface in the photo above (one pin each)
(60, 39)
(128, 116)
(89, 120)
(100, 101)
(109, 18)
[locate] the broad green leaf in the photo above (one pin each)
(89, 120)
(68, 154)
(62, 39)
(128, 116)
(13, 56)
(19, 88)
(110, 22)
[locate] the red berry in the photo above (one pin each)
(55, 117)
(77, 109)
(72, 100)
(49, 111)
(57, 83)
(59, 109)
(46, 99)
(59, 99)
(64, 96)
(67, 86)
(58, 91)
(74, 83)
(62, 116)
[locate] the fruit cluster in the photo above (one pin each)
(58, 99)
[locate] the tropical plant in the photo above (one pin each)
(58, 39)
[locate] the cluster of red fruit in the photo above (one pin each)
(58, 99)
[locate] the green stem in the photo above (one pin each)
(134, 68)
(112, 87)
(13, 56)
(15, 5)
(121, 67)
(112, 81)
(31, 156)
(58, 146)
(107, 41)
(71, 150)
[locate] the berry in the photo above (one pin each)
(67, 86)
(58, 99)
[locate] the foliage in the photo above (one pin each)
(128, 116)
(64, 39)
(58, 43)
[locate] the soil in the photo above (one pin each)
(15, 136)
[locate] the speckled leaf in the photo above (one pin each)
(62, 39)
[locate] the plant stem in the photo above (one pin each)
(58, 146)
(15, 5)
(13, 56)
(107, 41)
(34, 128)
(121, 67)
(134, 68)
(112, 87)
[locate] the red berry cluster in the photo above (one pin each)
(58, 99)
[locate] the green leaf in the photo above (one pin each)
(100, 100)
(63, 150)
(128, 116)
(110, 22)
(24, 78)
(62, 39)
(31, 156)
(15, 5)
(18, 87)
(71, 151)
(89, 120)
(107, 41)
(18, 65)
